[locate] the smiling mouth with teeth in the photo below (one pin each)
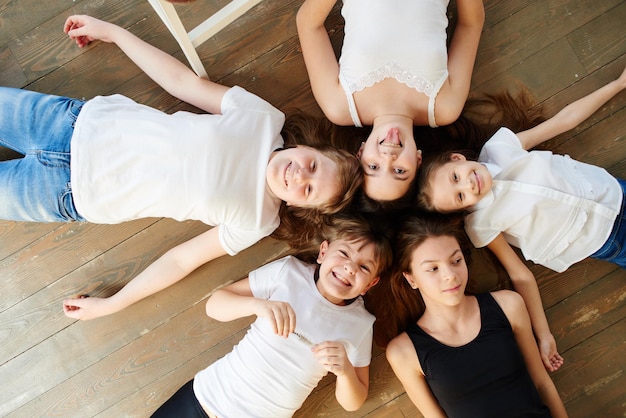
(287, 170)
(345, 282)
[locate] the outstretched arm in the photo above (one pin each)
(461, 58)
(517, 315)
(572, 115)
(164, 272)
(320, 61)
(525, 284)
(171, 74)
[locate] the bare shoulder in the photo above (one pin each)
(512, 305)
(400, 349)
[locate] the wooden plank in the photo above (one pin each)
(589, 311)
(592, 382)
(16, 235)
(103, 335)
(190, 336)
(40, 313)
(602, 39)
(64, 249)
(18, 17)
(533, 29)
(143, 401)
(11, 74)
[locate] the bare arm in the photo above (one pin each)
(461, 59)
(572, 115)
(320, 61)
(525, 284)
(237, 301)
(516, 313)
(405, 364)
(352, 383)
(164, 272)
(171, 74)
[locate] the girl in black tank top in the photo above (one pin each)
(465, 356)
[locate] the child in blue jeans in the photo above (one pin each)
(110, 159)
(556, 210)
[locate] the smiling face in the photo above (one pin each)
(390, 159)
(438, 270)
(347, 269)
(459, 184)
(302, 177)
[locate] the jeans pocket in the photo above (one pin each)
(54, 159)
(67, 209)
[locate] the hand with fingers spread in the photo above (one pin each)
(332, 356)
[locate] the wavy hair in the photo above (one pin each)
(299, 226)
(406, 304)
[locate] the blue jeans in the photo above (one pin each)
(37, 186)
(614, 249)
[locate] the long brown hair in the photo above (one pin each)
(301, 226)
(398, 305)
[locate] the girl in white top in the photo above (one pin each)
(130, 161)
(394, 63)
(311, 320)
(558, 211)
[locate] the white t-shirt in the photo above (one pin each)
(269, 376)
(558, 211)
(132, 161)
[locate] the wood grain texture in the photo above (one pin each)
(128, 364)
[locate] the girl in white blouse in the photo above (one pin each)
(556, 210)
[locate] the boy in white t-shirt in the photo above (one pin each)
(311, 320)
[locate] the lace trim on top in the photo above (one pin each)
(393, 70)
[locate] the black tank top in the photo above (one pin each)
(486, 377)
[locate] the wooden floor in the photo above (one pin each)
(129, 363)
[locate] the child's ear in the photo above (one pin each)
(373, 283)
(322, 254)
(409, 278)
(455, 156)
(419, 158)
(360, 151)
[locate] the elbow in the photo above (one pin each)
(354, 405)
(335, 113)
(447, 115)
(522, 280)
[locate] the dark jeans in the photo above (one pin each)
(614, 250)
(183, 404)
